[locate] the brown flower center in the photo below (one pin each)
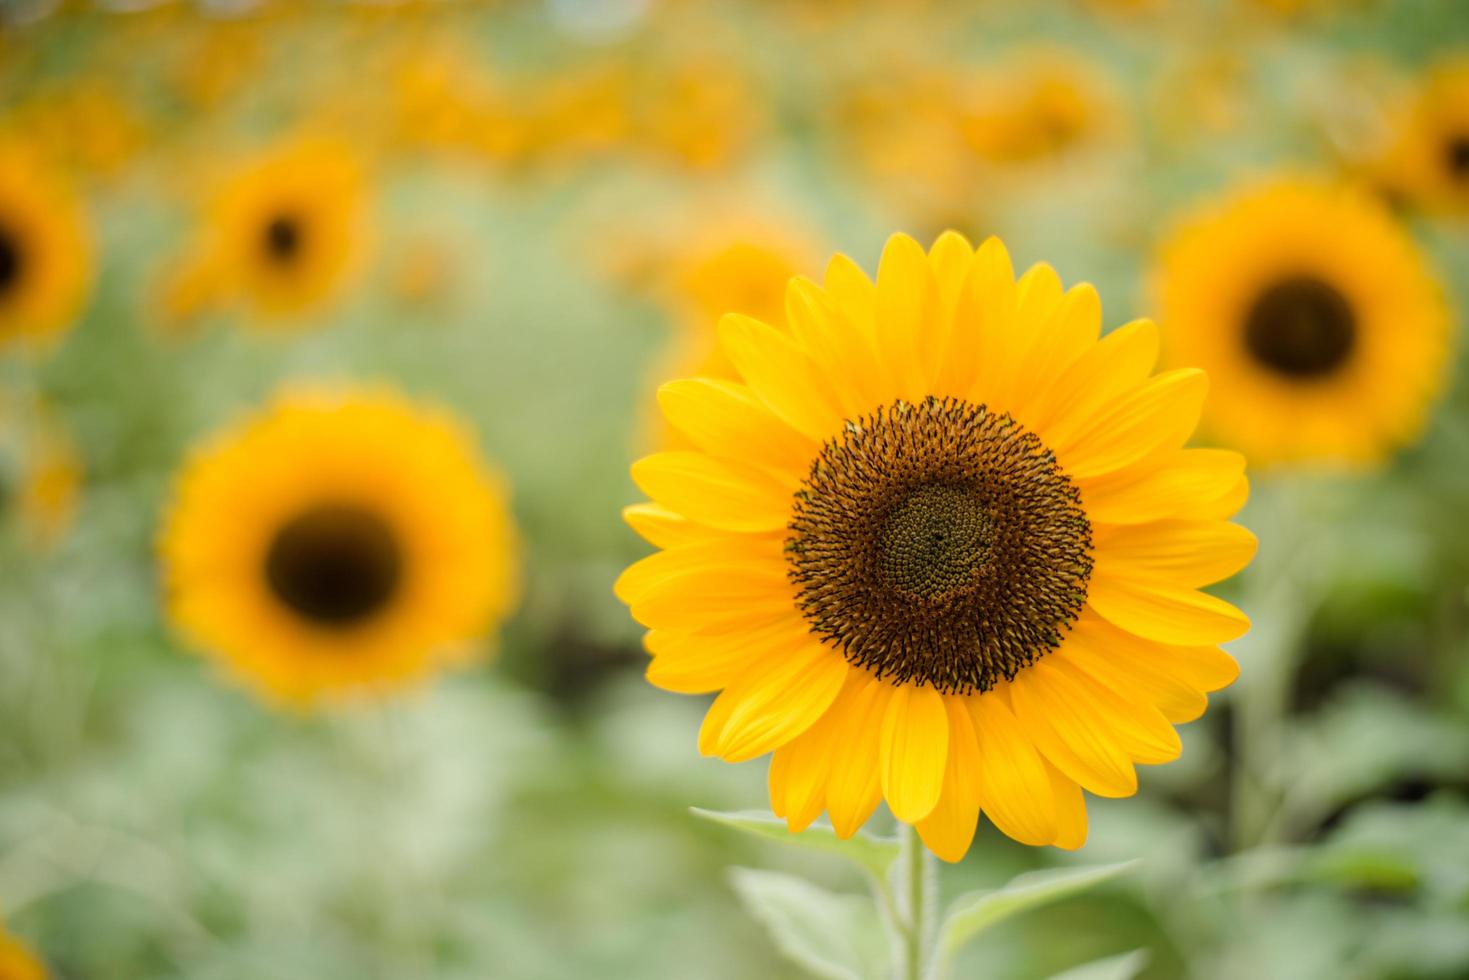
(334, 565)
(1456, 156)
(284, 238)
(1301, 327)
(12, 261)
(941, 544)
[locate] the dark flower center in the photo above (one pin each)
(334, 565)
(1456, 156)
(940, 544)
(284, 238)
(1301, 327)
(12, 261)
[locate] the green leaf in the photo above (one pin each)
(838, 937)
(1123, 967)
(975, 912)
(874, 854)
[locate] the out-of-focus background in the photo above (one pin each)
(549, 203)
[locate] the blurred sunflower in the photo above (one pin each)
(17, 962)
(1037, 106)
(338, 542)
(284, 233)
(902, 124)
(86, 124)
(701, 111)
(1429, 162)
(1315, 313)
(940, 545)
(45, 250)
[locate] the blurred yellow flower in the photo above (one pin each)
(701, 111)
(939, 545)
(442, 98)
(45, 250)
(1316, 315)
(283, 234)
(1428, 163)
(85, 125)
(338, 542)
(1037, 106)
(17, 962)
(902, 124)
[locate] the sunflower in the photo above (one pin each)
(1429, 162)
(940, 546)
(1316, 315)
(1037, 106)
(45, 251)
(283, 233)
(17, 962)
(339, 541)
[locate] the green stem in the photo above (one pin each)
(916, 874)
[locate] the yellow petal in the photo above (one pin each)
(1160, 414)
(695, 663)
(1131, 667)
(853, 789)
(1070, 810)
(1207, 668)
(1013, 786)
(842, 353)
(908, 317)
(984, 304)
(714, 599)
(725, 418)
(1181, 552)
(915, 736)
(1116, 364)
(806, 761)
(949, 829)
(1135, 726)
(665, 528)
(852, 291)
(1070, 732)
(1037, 296)
(990, 300)
(727, 550)
(717, 492)
(780, 372)
(1164, 612)
(1173, 485)
(772, 704)
(1224, 506)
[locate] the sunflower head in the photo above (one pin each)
(936, 543)
(283, 233)
(1429, 163)
(17, 962)
(1316, 314)
(338, 542)
(45, 251)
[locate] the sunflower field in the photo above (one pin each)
(857, 489)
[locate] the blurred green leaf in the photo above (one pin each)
(839, 937)
(873, 854)
(1363, 740)
(1123, 967)
(975, 912)
(1401, 847)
